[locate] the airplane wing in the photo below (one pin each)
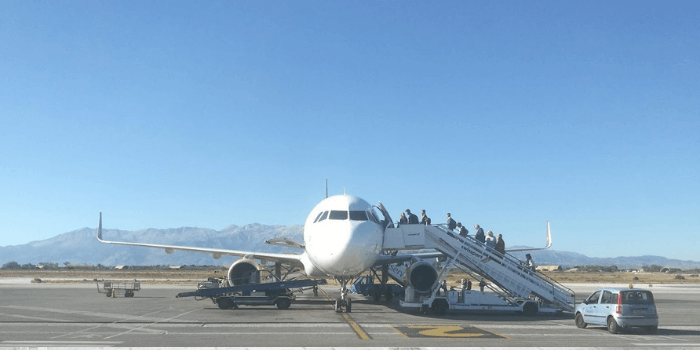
(392, 259)
(292, 259)
(549, 243)
(283, 242)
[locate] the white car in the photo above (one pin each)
(617, 309)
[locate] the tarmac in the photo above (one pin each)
(47, 315)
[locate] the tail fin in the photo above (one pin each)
(549, 237)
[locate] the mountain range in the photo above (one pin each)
(81, 247)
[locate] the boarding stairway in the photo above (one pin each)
(516, 280)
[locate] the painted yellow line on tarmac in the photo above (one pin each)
(355, 327)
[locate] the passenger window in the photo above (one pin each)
(358, 215)
(324, 216)
(318, 217)
(607, 298)
(338, 215)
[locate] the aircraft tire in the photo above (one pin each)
(337, 305)
(348, 305)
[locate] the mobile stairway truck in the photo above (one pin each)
(279, 294)
(518, 288)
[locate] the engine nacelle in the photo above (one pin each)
(422, 277)
(243, 271)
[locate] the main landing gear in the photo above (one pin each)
(344, 303)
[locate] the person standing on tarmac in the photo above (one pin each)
(412, 218)
(451, 223)
(462, 230)
(479, 234)
(425, 220)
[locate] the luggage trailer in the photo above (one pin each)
(114, 289)
(276, 293)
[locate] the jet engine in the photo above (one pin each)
(421, 276)
(243, 271)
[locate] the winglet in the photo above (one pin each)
(99, 229)
(549, 243)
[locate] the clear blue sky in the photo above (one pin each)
(506, 113)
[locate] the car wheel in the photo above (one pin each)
(579, 321)
(612, 325)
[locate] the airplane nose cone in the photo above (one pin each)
(347, 251)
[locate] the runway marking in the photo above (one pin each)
(355, 327)
(34, 318)
(44, 343)
(117, 325)
(84, 313)
(129, 331)
(444, 331)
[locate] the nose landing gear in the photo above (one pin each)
(344, 303)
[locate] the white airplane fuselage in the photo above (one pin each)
(342, 236)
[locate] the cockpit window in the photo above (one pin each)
(338, 215)
(371, 216)
(358, 215)
(318, 217)
(323, 216)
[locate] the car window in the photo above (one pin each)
(608, 298)
(637, 297)
(593, 299)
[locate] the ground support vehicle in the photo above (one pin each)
(365, 286)
(617, 309)
(471, 300)
(256, 294)
(115, 289)
(518, 286)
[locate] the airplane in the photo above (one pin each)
(343, 237)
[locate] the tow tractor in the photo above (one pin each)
(255, 294)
